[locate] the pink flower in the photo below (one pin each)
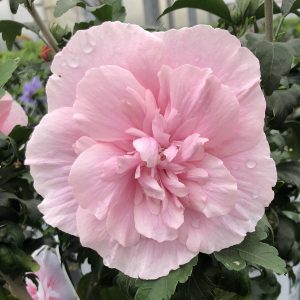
(53, 283)
(11, 114)
(153, 149)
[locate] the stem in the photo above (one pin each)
(279, 27)
(17, 287)
(45, 31)
(269, 19)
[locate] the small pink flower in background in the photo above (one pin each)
(153, 149)
(53, 283)
(11, 114)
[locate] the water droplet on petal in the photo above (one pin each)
(72, 62)
(91, 38)
(88, 48)
(251, 164)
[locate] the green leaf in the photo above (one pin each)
(275, 61)
(294, 46)
(102, 13)
(221, 294)
(62, 6)
(11, 233)
(216, 7)
(289, 6)
(291, 215)
(118, 9)
(253, 252)
(293, 139)
(163, 288)
(231, 259)
(10, 30)
(261, 254)
(282, 103)
(289, 172)
(14, 5)
(265, 287)
(2, 92)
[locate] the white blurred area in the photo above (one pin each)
(142, 12)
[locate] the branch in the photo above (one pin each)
(269, 19)
(44, 29)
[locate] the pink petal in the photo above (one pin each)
(148, 149)
(255, 174)
(109, 102)
(234, 65)
(195, 94)
(52, 278)
(92, 186)
(136, 261)
(11, 114)
(56, 134)
(250, 125)
(192, 148)
(216, 195)
(104, 45)
(151, 187)
(151, 223)
(120, 219)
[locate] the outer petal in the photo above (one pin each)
(250, 126)
(91, 175)
(255, 174)
(52, 278)
(215, 195)
(234, 65)
(109, 102)
(205, 105)
(136, 261)
(11, 114)
(50, 155)
(104, 45)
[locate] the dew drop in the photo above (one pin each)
(72, 62)
(91, 39)
(251, 164)
(88, 48)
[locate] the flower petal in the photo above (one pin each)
(195, 94)
(91, 178)
(11, 114)
(109, 102)
(86, 50)
(56, 134)
(136, 261)
(206, 47)
(216, 194)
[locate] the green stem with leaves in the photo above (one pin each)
(44, 29)
(268, 7)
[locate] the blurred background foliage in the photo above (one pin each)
(242, 272)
